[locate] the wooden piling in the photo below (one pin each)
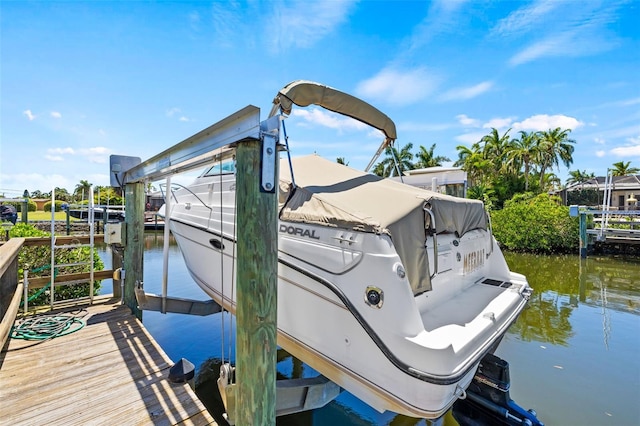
(584, 242)
(256, 286)
(134, 243)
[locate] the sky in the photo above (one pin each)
(80, 81)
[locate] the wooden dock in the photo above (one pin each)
(109, 372)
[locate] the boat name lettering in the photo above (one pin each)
(293, 230)
(472, 261)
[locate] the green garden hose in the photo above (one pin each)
(46, 327)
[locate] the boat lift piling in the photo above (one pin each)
(257, 245)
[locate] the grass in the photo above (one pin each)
(44, 216)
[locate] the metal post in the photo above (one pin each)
(91, 240)
(256, 285)
(53, 244)
(165, 246)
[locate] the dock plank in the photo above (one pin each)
(109, 372)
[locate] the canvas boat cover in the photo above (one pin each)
(304, 93)
(335, 195)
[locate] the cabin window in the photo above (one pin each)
(222, 168)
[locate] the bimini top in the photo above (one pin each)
(304, 93)
(331, 194)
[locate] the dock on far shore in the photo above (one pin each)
(109, 372)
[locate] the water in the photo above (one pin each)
(573, 353)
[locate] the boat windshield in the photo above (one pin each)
(221, 168)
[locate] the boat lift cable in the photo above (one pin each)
(222, 321)
(395, 163)
(233, 270)
(286, 143)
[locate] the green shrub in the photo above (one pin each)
(537, 224)
(59, 203)
(31, 205)
(37, 259)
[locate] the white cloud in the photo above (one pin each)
(470, 138)
(29, 114)
(98, 154)
(543, 122)
(61, 151)
(183, 118)
(630, 150)
(56, 158)
(56, 114)
(443, 17)
(300, 24)
(599, 141)
(467, 121)
(33, 181)
(464, 93)
(600, 154)
(627, 151)
(172, 111)
(634, 140)
(525, 18)
(498, 123)
(570, 32)
(411, 126)
(399, 87)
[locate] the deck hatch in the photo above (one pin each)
(497, 283)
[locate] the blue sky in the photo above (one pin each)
(83, 80)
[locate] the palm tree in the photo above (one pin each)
(426, 158)
(577, 176)
(522, 152)
(623, 169)
(341, 160)
(555, 147)
(82, 188)
(472, 161)
(395, 161)
(550, 182)
(494, 147)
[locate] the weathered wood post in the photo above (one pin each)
(25, 207)
(134, 243)
(256, 286)
(584, 243)
(116, 262)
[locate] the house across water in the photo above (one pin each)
(445, 180)
(625, 191)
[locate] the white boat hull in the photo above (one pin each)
(402, 357)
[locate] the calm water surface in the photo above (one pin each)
(574, 353)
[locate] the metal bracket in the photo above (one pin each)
(292, 395)
(154, 302)
(270, 135)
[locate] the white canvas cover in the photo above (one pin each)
(331, 194)
(304, 93)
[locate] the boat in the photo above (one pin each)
(391, 291)
(99, 213)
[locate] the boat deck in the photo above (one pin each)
(109, 372)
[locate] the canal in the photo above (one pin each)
(574, 353)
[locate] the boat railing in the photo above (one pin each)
(490, 235)
(432, 231)
(174, 187)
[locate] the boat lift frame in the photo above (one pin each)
(211, 144)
